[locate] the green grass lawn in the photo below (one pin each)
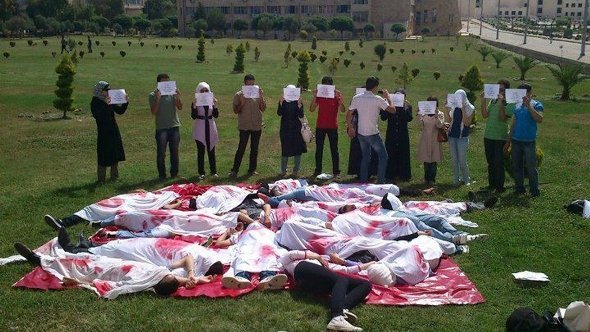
(50, 167)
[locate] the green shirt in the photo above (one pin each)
(166, 117)
(495, 128)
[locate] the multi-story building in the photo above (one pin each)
(537, 9)
(132, 7)
(441, 17)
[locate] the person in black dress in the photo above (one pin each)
(292, 143)
(397, 141)
(109, 146)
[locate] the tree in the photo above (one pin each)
(436, 75)
(568, 76)
(66, 71)
(404, 77)
(200, 26)
(287, 56)
(524, 64)
(240, 25)
(264, 24)
(101, 21)
(201, 50)
(342, 23)
(239, 64)
(53, 8)
(291, 25)
(314, 43)
(229, 49)
(380, 51)
(369, 30)
(303, 73)
(142, 25)
(425, 30)
(309, 28)
(8, 8)
(112, 8)
(347, 46)
(124, 21)
(320, 22)
(216, 20)
(155, 9)
(499, 57)
(484, 51)
(256, 54)
(18, 24)
(397, 29)
(472, 82)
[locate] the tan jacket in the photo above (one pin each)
(250, 118)
(429, 149)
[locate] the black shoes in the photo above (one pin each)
(27, 253)
(490, 202)
(56, 224)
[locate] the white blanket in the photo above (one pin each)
(359, 223)
(220, 199)
(256, 250)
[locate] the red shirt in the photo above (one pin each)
(327, 113)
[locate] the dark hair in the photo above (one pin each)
(432, 98)
(249, 77)
(215, 268)
(505, 83)
(371, 82)
(327, 80)
(400, 90)
(161, 77)
(168, 285)
(526, 86)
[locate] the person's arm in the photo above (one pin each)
(502, 108)
(177, 100)
(407, 112)
(340, 99)
(224, 240)
(537, 116)
(314, 102)
(350, 131)
(266, 218)
(194, 111)
(239, 102)
(484, 106)
(155, 101)
(390, 108)
(261, 101)
(509, 140)
(440, 119)
(280, 106)
(188, 263)
(300, 109)
(466, 119)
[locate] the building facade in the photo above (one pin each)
(441, 17)
(537, 9)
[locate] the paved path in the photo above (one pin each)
(559, 47)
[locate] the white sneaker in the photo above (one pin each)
(464, 249)
(277, 281)
(477, 237)
(233, 282)
(349, 316)
(460, 239)
(339, 323)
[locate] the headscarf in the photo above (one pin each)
(290, 86)
(380, 274)
(465, 101)
(99, 88)
(201, 86)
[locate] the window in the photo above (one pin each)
(255, 10)
(506, 13)
(579, 13)
(273, 9)
(434, 14)
(341, 9)
(360, 16)
(579, 5)
(305, 9)
(241, 10)
(567, 5)
(425, 16)
(559, 2)
(539, 10)
(360, 2)
(514, 13)
(539, 2)
(558, 10)
(418, 18)
(520, 13)
(291, 10)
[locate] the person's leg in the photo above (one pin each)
(244, 136)
(530, 157)
(114, 171)
(72, 220)
(517, 154)
(499, 170)
(200, 157)
(101, 173)
(243, 274)
(489, 148)
(463, 144)
(320, 135)
(379, 147)
(212, 161)
(297, 194)
(357, 292)
(365, 144)
(296, 164)
(152, 233)
(284, 161)
(333, 138)
(161, 141)
(174, 144)
(254, 150)
(453, 150)
(63, 238)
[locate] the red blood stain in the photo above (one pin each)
(421, 205)
(111, 202)
(126, 268)
(103, 287)
(97, 269)
(373, 225)
(267, 251)
(79, 263)
(167, 247)
(319, 244)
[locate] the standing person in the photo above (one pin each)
(429, 149)
(89, 45)
(523, 138)
(109, 146)
(249, 111)
(368, 106)
(292, 143)
(327, 124)
(495, 136)
(397, 141)
(205, 132)
(167, 127)
(460, 119)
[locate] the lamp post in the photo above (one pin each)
(480, 15)
(585, 29)
(526, 21)
(551, 31)
(498, 22)
(468, 14)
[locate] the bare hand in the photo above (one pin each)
(351, 132)
(506, 147)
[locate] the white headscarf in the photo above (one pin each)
(465, 102)
(380, 274)
(203, 85)
(290, 86)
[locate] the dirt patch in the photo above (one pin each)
(51, 115)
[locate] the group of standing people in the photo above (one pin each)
(392, 156)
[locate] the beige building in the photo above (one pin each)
(537, 9)
(441, 17)
(132, 7)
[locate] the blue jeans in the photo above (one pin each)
(159, 233)
(296, 165)
(458, 149)
(439, 226)
(261, 275)
(368, 144)
(170, 137)
(524, 154)
(297, 195)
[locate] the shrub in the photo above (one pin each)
(313, 56)
(346, 63)
(212, 41)
(303, 72)
(568, 76)
(102, 54)
(323, 59)
(81, 54)
(340, 52)
(423, 51)
(404, 77)
(393, 69)
(352, 52)
(314, 43)
(452, 48)
(173, 47)
(468, 44)
(157, 45)
(201, 50)
(114, 43)
(472, 82)
(123, 53)
(6, 55)
(433, 50)
(360, 43)
(294, 54)
(413, 51)
(324, 52)
(484, 51)
(499, 57)
(30, 42)
(12, 44)
(80, 43)
(380, 51)
(247, 46)
(303, 34)
(45, 42)
(333, 67)
(524, 64)
(166, 46)
(379, 67)
(391, 50)
(129, 43)
(66, 71)
(436, 75)
(256, 54)
(415, 72)
(141, 44)
(362, 65)
(401, 50)
(287, 56)
(97, 42)
(53, 54)
(347, 46)
(239, 64)
(229, 49)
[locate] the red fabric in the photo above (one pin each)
(39, 279)
(327, 113)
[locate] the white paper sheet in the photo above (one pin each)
(514, 96)
(251, 91)
(453, 100)
(291, 94)
(204, 99)
(491, 91)
(117, 96)
(426, 107)
(531, 276)
(326, 91)
(397, 99)
(167, 88)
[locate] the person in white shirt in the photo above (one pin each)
(368, 106)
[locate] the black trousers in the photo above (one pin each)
(320, 136)
(494, 150)
(244, 136)
(201, 158)
(345, 292)
(430, 172)
(72, 220)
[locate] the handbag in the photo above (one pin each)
(306, 132)
(442, 135)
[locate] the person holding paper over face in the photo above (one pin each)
(397, 139)
(203, 112)
(429, 148)
(292, 144)
(368, 105)
(327, 124)
(164, 108)
(460, 119)
(523, 138)
(249, 111)
(109, 146)
(497, 112)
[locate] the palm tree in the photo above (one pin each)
(524, 64)
(499, 57)
(484, 51)
(568, 76)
